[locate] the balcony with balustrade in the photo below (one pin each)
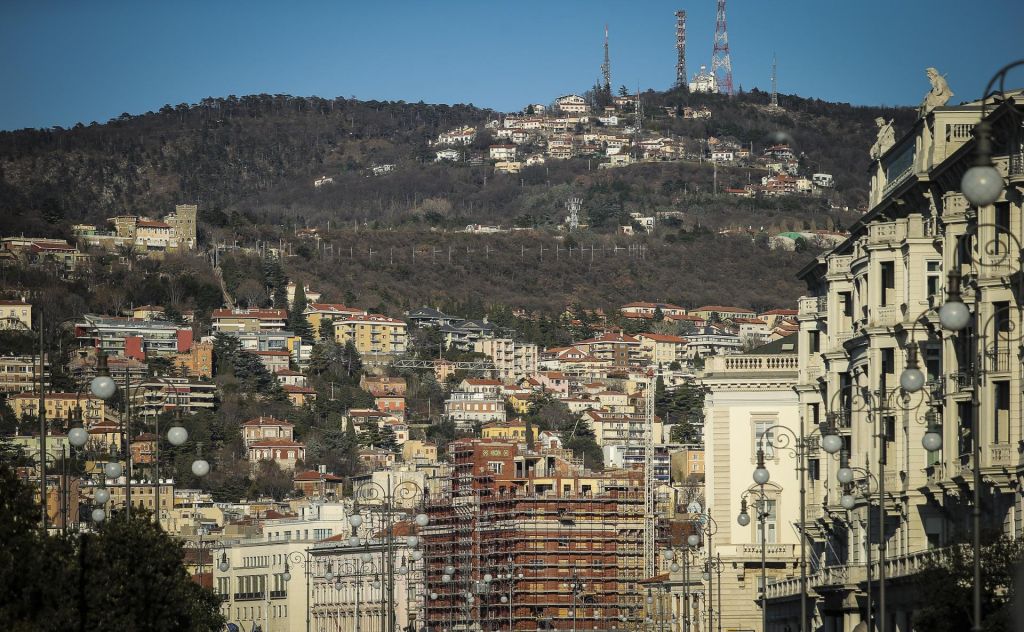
(810, 307)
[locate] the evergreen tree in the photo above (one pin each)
(297, 321)
(130, 575)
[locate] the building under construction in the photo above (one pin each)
(526, 540)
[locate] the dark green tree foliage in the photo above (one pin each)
(277, 282)
(683, 407)
(246, 367)
(297, 321)
(128, 576)
(945, 587)
(270, 481)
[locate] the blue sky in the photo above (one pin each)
(65, 62)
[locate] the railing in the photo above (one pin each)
(810, 305)
(1016, 167)
(889, 232)
(999, 360)
(839, 265)
(885, 315)
(760, 363)
(249, 596)
(936, 473)
(997, 455)
(962, 381)
(898, 179)
(908, 564)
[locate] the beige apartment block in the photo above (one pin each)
(748, 396)
(871, 299)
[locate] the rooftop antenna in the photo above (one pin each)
(721, 64)
(606, 67)
(775, 93)
(681, 81)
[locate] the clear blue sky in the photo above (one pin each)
(65, 62)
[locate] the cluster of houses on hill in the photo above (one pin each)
(570, 128)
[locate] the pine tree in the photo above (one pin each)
(297, 321)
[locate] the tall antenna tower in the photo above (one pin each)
(573, 205)
(721, 64)
(606, 67)
(775, 92)
(681, 80)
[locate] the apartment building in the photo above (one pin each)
(66, 407)
(511, 359)
(535, 524)
(15, 315)
(132, 337)
(750, 396)
(872, 300)
(467, 409)
(19, 373)
(248, 320)
(375, 336)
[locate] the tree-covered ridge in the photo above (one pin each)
(251, 160)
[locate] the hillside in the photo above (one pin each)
(259, 155)
(250, 162)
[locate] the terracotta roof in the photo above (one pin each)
(723, 308)
(312, 475)
(287, 372)
(663, 337)
(152, 223)
(292, 388)
(611, 337)
(268, 443)
(780, 312)
(475, 381)
(267, 421)
(271, 353)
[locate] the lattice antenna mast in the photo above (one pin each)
(775, 91)
(650, 509)
(573, 205)
(606, 67)
(721, 64)
(681, 80)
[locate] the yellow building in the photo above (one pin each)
(521, 403)
(373, 334)
(318, 312)
(512, 430)
(15, 315)
(198, 362)
(59, 406)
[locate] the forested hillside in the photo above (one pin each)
(256, 156)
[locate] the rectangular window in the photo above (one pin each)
(888, 273)
(1001, 244)
(1001, 418)
(813, 469)
(495, 467)
(769, 523)
(933, 277)
(762, 429)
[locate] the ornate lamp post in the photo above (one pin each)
(714, 565)
(743, 519)
(800, 446)
(104, 387)
(386, 496)
(681, 558)
(982, 185)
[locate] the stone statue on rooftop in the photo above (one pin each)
(886, 138)
(938, 95)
